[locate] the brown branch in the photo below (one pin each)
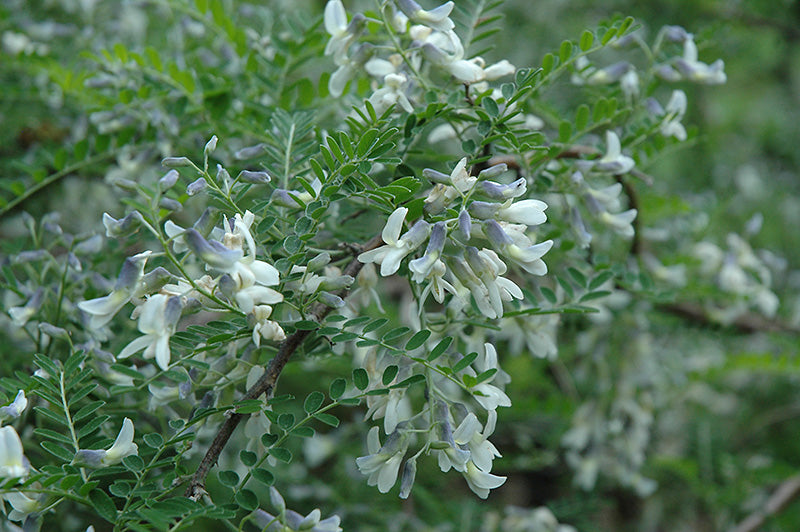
(266, 383)
(788, 490)
(747, 323)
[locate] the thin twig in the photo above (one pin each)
(746, 323)
(266, 383)
(786, 492)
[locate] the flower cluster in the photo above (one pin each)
(452, 432)
(425, 42)
(464, 254)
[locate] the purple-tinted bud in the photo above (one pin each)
(442, 419)
(464, 229)
(318, 262)
(337, 283)
(417, 234)
(407, 478)
(169, 180)
(211, 145)
(155, 279)
(251, 152)
(91, 245)
(675, 34)
(89, 458)
(437, 239)
(196, 186)
(667, 73)
(170, 204)
(331, 300)
(176, 162)
(185, 388)
(74, 262)
(654, 107)
(282, 198)
(584, 237)
(212, 252)
(497, 191)
(256, 178)
(131, 272)
(434, 54)
(172, 311)
(483, 210)
(496, 235)
(227, 286)
(122, 227)
(493, 171)
(30, 256)
(207, 221)
(53, 332)
(479, 266)
(435, 176)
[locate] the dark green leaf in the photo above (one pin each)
(440, 348)
(337, 388)
(464, 362)
(360, 378)
(313, 402)
(417, 340)
(103, 505)
(389, 374)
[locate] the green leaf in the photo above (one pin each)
(491, 106)
(103, 505)
(228, 478)
(564, 131)
(337, 388)
(548, 62)
(249, 406)
(328, 419)
(565, 51)
(395, 333)
(594, 295)
(360, 378)
(153, 440)
(417, 340)
(248, 458)
(367, 140)
(282, 454)
(306, 325)
(600, 279)
(53, 435)
(577, 276)
(285, 421)
(587, 39)
(624, 26)
(440, 348)
(269, 439)
(389, 374)
(582, 117)
(374, 324)
(264, 476)
(464, 362)
(247, 499)
(548, 294)
(405, 383)
(313, 402)
(133, 463)
(608, 35)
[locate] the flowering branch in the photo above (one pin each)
(266, 383)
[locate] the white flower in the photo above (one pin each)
(620, 222)
(123, 446)
(264, 328)
(488, 395)
(528, 257)
(480, 481)
(16, 407)
(22, 505)
(694, 70)
(392, 92)
(383, 462)
(157, 321)
(390, 255)
(671, 125)
(102, 309)
(437, 18)
(13, 463)
(613, 161)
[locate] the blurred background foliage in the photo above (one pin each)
(726, 402)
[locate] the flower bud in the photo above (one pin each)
(256, 178)
(176, 162)
(251, 152)
(169, 180)
(196, 186)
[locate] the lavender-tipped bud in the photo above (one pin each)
(498, 191)
(176, 162)
(493, 171)
(251, 152)
(196, 186)
(256, 178)
(169, 180)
